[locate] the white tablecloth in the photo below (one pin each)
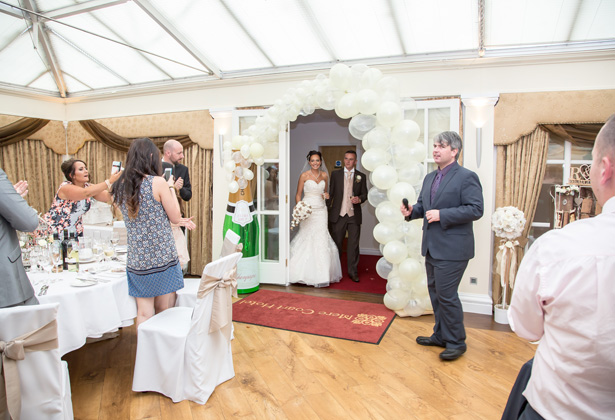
(87, 311)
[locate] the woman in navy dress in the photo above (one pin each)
(149, 207)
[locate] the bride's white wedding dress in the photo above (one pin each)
(314, 259)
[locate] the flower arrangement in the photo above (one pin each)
(567, 189)
(301, 212)
(508, 224)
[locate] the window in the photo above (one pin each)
(562, 156)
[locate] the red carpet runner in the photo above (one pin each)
(369, 280)
(356, 321)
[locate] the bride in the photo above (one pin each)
(314, 259)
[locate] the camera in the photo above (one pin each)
(167, 173)
(116, 166)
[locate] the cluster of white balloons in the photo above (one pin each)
(392, 155)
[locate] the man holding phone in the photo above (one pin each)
(173, 153)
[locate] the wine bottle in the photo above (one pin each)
(242, 219)
(57, 254)
(73, 252)
(64, 244)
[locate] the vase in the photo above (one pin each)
(500, 315)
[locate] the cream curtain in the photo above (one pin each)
(520, 171)
(34, 162)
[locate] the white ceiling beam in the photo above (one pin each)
(394, 17)
(246, 32)
(86, 7)
(164, 23)
(42, 40)
(320, 34)
(7, 9)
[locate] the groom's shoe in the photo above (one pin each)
(452, 354)
(354, 278)
(428, 341)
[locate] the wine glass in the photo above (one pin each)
(45, 261)
(115, 238)
(108, 249)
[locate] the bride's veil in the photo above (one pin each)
(307, 167)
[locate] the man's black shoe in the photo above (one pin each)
(427, 341)
(354, 278)
(452, 354)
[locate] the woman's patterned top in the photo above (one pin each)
(65, 214)
(151, 247)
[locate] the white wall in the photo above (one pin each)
(480, 77)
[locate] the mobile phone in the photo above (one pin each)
(167, 174)
(116, 166)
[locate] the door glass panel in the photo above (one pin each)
(439, 120)
(271, 187)
(556, 148)
(270, 230)
(581, 151)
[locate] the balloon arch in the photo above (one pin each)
(392, 155)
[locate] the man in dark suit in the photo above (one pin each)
(347, 190)
(173, 153)
(15, 214)
(450, 200)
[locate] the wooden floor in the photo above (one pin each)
(287, 375)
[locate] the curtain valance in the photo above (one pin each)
(20, 130)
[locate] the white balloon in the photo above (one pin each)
(401, 190)
(239, 171)
(229, 166)
(383, 268)
(227, 145)
(418, 152)
(271, 150)
(236, 142)
(256, 150)
(378, 137)
(370, 78)
(341, 76)
(233, 187)
(388, 212)
(409, 173)
(227, 155)
(384, 177)
(360, 124)
(410, 269)
(346, 107)
(367, 101)
(396, 299)
(242, 183)
(395, 252)
(388, 88)
(376, 196)
(410, 108)
(259, 160)
(245, 151)
(386, 232)
(389, 114)
(414, 308)
(405, 132)
(373, 158)
(248, 174)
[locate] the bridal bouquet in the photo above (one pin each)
(301, 212)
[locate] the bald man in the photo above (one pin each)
(564, 294)
(173, 153)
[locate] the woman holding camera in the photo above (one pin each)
(148, 203)
(73, 198)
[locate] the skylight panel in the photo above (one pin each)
(45, 82)
(20, 63)
(209, 26)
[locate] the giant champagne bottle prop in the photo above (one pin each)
(241, 218)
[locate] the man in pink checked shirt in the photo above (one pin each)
(565, 297)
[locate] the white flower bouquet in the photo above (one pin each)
(508, 222)
(301, 212)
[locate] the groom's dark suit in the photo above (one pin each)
(448, 245)
(338, 225)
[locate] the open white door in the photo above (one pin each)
(270, 203)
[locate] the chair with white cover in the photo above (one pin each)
(34, 382)
(184, 353)
(187, 295)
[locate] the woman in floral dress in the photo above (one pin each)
(73, 198)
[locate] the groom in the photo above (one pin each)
(347, 190)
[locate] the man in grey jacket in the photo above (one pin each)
(15, 214)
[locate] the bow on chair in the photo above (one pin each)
(223, 289)
(42, 339)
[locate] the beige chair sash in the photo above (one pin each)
(42, 339)
(222, 311)
(229, 248)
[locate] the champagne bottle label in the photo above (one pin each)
(242, 215)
